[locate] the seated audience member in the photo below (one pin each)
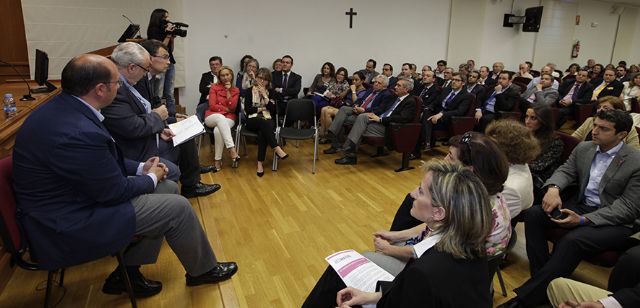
(606, 103)
(258, 106)
(498, 67)
(453, 101)
(542, 94)
(623, 290)
(572, 92)
(572, 70)
(375, 100)
(335, 94)
(590, 64)
(621, 73)
(608, 87)
(463, 71)
(520, 148)
(428, 90)
(484, 78)
(554, 71)
(209, 78)
(544, 70)
(276, 66)
(472, 85)
(503, 97)
(141, 131)
(446, 78)
(243, 65)
(539, 120)
(634, 69)
(607, 172)
(322, 81)
(414, 71)
(405, 71)
(286, 84)
(471, 65)
(369, 71)
(481, 155)
(387, 70)
(249, 75)
(79, 199)
(610, 67)
(450, 260)
(597, 72)
(523, 71)
(631, 91)
(403, 110)
(329, 112)
(222, 116)
(441, 65)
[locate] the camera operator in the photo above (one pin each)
(161, 29)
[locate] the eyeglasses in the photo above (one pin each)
(466, 140)
(456, 79)
(166, 57)
(142, 67)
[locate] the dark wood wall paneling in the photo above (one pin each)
(14, 46)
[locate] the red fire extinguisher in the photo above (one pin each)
(575, 50)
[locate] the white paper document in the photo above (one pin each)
(186, 129)
(357, 271)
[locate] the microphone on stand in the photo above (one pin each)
(26, 97)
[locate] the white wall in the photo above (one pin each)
(402, 31)
(556, 37)
(596, 31)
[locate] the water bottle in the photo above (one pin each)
(9, 105)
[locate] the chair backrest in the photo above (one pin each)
(8, 222)
(418, 100)
(471, 111)
(570, 143)
(300, 109)
(522, 80)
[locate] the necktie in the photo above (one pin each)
(388, 112)
(448, 99)
(424, 91)
(368, 100)
(284, 80)
(574, 96)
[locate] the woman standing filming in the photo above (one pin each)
(221, 115)
(258, 106)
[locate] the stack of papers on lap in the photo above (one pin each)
(186, 129)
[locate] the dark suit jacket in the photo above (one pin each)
(584, 92)
(294, 84)
(392, 82)
(71, 185)
(132, 127)
(505, 101)
(429, 96)
(619, 188)
(435, 280)
(380, 104)
(145, 87)
(205, 82)
(478, 90)
(458, 105)
(614, 88)
(405, 112)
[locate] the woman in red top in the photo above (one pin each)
(221, 115)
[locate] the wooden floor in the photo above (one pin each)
(278, 229)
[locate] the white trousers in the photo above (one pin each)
(221, 131)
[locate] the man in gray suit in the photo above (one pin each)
(603, 216)
(541, 94)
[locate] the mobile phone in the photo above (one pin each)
(557, 214)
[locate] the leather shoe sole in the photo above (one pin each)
(221, 272)
(200, 190)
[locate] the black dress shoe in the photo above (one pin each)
(207, 169)
(142, 287)
(200, 190)
(347, 160)
(512, 303)
(331, 150)
(222, 271)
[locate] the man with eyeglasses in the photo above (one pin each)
(503, 97)
(79, 199)
(453, 101)
(140, 130)
(370, 71)
(608, 87)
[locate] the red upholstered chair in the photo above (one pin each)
(570, 142)
(401, 137)
(514, 114)
(635, 106)
(16, 245)
(583, 111)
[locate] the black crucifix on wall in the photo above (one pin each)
(351, 13)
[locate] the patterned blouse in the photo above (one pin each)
(498, 239)
(543, 166)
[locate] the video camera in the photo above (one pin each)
(177, 31)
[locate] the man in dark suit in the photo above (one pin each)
(498, 67)
(602, 217)
(387, 70)
(623, 289)
(485, 79)
(141, 131)
(453, 101)
(472, 85)
(403, 110)
(286, 84)
(79, 199)
(208, 78)
(572, 92)
(503, 97)
(370, 71)
(608, 87)
(427, 90)
(376, 100)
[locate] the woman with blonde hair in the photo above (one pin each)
(451, 261)
(221, 115)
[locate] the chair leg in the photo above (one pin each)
(502, 287)
(127, 281)
(315, 152)
(405, 163)
(61, 277)
(47, 294)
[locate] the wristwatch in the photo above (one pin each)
(553, 186)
